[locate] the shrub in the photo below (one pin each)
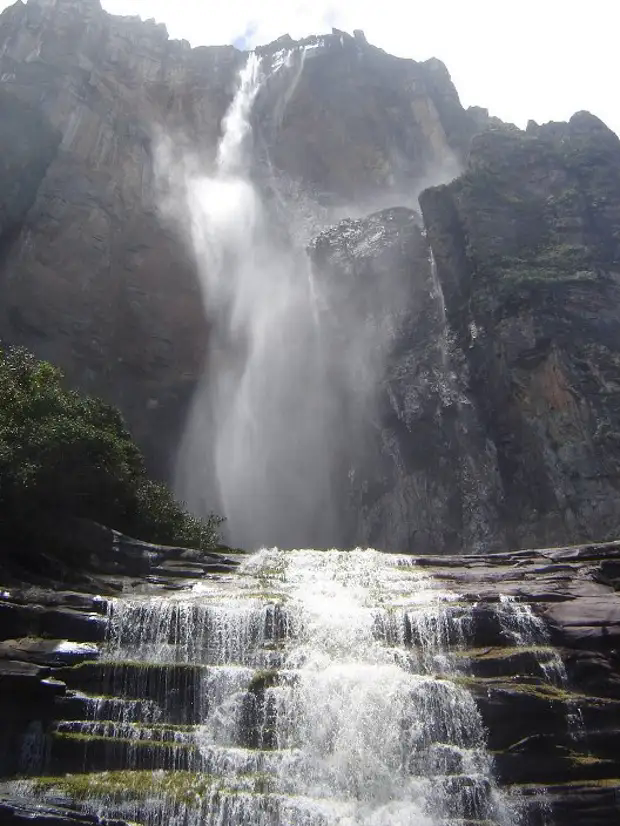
(62, 453)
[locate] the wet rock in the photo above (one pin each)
(20, 812)
(16, 676)
(408, 448)
(32, 620)
(99, 559)
(74, 754)
(48, 652)
(550, 706)
(592, 803)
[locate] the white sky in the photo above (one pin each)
(540, 59)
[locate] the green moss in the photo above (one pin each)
(501, 653)
(605, 783)
(140, 665)
(528, 274)
(114, 741)
(547, 692)
(121, 786)
(81, 666)
(263, 679)
(181, 727)
(267, 596)
(183, 787)
(579, 759)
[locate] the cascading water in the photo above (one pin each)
(308, 688)
(313, 688)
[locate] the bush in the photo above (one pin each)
(65, 454)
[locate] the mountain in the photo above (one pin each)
(470, 339)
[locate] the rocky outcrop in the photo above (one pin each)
(495, 350)
(538, 649)
(555, 745)
(90, 278)
(18, 812)
(415, 469)
(528, 258)
(81, 554)
(56, 619)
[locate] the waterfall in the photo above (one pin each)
(312, 688)
(309, 688)
(255, 446)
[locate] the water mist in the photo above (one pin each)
(255, 444)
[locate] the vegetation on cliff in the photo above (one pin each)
(67, 455)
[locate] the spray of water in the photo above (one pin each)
(294, 363)
(255, 442)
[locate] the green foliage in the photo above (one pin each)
(64, 453)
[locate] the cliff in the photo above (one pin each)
(528, 255)
(476, 409)
(90, 278)
(494, 417)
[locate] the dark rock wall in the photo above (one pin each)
(487, 414)
(419, 472)
(354, 125)
(528, 255)
(90, 278)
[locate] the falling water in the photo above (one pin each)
(310, 689)
(255, 446)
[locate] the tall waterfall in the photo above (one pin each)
(256, 444)
(310, 689)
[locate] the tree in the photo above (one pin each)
(62, 453)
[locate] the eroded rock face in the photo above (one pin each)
(494, 418)
(555, 745)
(528, 256)
(358, 127)
(90, 278)
(419, 473)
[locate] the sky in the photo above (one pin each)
(521, 59)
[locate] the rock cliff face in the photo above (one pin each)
(495, 420)
(528, 255)
(496, 414)
(491, 420)
(420, 472)
(89, 277)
